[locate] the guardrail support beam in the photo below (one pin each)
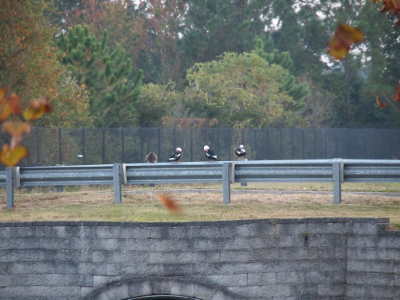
(337, 177)
(118, 179)
(10, 174)
(226, 181)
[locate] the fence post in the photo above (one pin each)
(119, 177)
(227, 169)
(337, 177)
(83, 146)
(10, 175)
(59, 145)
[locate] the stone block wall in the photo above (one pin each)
(269, 259)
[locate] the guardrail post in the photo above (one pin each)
(337, 177)
(226, 181)
(10, 173)
(59, 188)
(118, 176)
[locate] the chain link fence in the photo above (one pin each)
(52, 146)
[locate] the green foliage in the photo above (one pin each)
(211, 28)
(105, 72)
(297, 91)
(239, 88)
(29, 65)
(156, 102)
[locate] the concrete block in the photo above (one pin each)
(290, 277)
(250, 230)
(334, 252)
(276, 290)
(291, 229)
(222, 296)
(21, 231)
(179, 232)
(106, 232)
(337, 290)
(120, 291)
(171, 269)
(293, 253)
(208, 232)
(361, 253)
(316, 228)
(137, 232)
(42, 292)
(142, 270)
(285, 240)
(363, 228)
(181, 288)
(113, 269)
(336, 228)
(262, 278)
(5, 232)
(333, 240)
(5, 280)
(251, 292)
(380, 266)
(214, 244)
(65, 268)
(388, 253)
(382, 292)
(388, 241)
(301, 265)
(362, 241)
(304, 291)
(201, 256)
(333, 265)
(140, 287)
(229, 280)
(353, 290)
(248, 243)
(163, 257)
(355, 265)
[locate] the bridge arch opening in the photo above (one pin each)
(162, 297)
(160, 288)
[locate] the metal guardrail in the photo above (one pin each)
(336, 171)
(192, 172)
(284, 171)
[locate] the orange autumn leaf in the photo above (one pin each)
(344, 37)
(12, 156)
(169, 203)
(338, 49)
(13, 102)
(16, 129)
(8, 104)
(396, 96)
(3, 92)
(391, 5)
(37, 108)
(380, 103)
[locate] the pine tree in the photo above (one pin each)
(297, 91)
(105, 72)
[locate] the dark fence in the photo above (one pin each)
(52, 146)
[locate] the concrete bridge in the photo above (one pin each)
(269, 259)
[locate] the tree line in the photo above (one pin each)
(258, 63)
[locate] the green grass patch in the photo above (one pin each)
(97, 203)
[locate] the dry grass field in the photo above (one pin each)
(204, 203)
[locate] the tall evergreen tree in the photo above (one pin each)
(297, 91)
(104, 71)
(212, 27)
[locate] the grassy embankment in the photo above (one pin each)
(304, 200)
